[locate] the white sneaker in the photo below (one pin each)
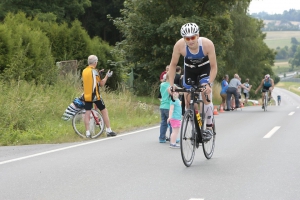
(88, 134)
(175, 146)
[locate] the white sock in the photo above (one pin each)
(208, 109)
(87, 133)
(108, 130)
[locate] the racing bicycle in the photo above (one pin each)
(96, 123)
(193, 131)
(266, 99)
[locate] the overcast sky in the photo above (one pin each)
(273, 6)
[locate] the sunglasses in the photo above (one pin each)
(190, 38)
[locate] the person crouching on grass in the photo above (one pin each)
(174, 119)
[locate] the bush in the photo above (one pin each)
(29, 54)
(31, 51)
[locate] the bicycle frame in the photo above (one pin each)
(190, 138)
(95, 117)
(193, 91)
(265, 101)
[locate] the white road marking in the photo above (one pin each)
(73, 146)
(272, 132)
(195, 199)
(291, 113)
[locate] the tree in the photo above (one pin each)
(282, 54)
(295, 62)
(66, 10)
(28, 55)
(31, 51)
(96, 22)
(249, 56)
(294, 41)
(151, 28)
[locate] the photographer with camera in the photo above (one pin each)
(91, 93)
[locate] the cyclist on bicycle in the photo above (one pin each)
(91, 94)
(199, 61)
(278, 99)
(267, 84)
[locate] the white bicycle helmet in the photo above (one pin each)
(189, 29)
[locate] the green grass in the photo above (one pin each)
(280, 39)
(32, 113)
(291, 86)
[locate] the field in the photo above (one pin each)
(291, 86)
(280, 39)
(280, 67)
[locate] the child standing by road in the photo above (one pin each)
(175, 119)
(164, 109)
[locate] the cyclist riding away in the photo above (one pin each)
(278, 99)
(91, 87)
(267, 84)
(199, 61)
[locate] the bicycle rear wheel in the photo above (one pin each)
(209, 146)
(187, 138)
(266, 102)
(96, 125)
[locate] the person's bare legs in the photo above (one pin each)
(208, 109)
(232, 102)
(174, 135)
(263, 98)
(87, 123)
(104, 113)
(187, 98)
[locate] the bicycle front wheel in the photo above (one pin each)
(209, 146)
(266, 102)
(96, 125)
(187, 138)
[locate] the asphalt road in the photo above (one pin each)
(256, 157)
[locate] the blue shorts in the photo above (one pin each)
(201, 81)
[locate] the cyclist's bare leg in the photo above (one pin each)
(187, 98)
(208, 110)
(87, 120)
(263, 97)
(104, 113)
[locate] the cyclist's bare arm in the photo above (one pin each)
(272, 87)
(260, 85)
(209, 49)
(174, 60)
(103, 81)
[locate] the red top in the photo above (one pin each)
(162, 75)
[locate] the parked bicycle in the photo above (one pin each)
(96, 123)
(193, 131)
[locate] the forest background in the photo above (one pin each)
(129, 37)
